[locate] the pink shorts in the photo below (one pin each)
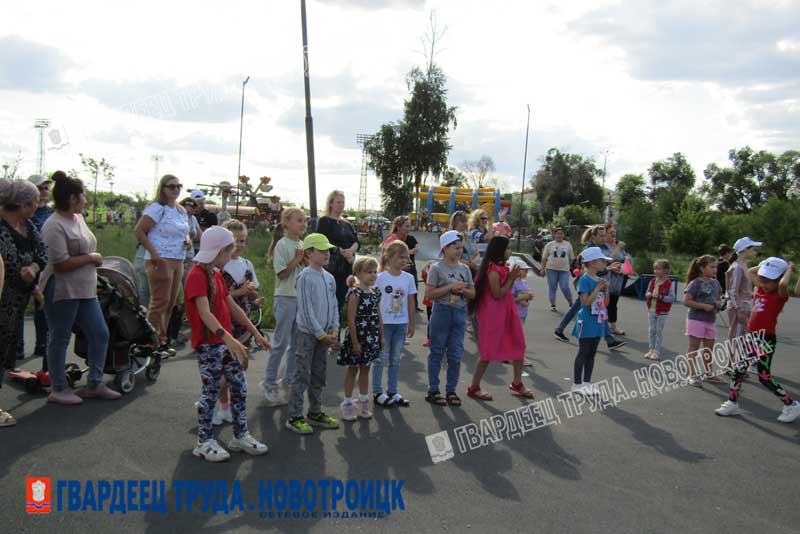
(701, 329)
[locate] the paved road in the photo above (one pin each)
(664, 464)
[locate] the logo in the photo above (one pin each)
(440, 447)
(389, 289)
(37, 495)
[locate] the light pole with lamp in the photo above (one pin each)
(524, 170)
(312, 175)
(241, 127)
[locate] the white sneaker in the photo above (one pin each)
(728, 408)
(363, 409)
(211, 451)
(248, 444)
(578, 388)
(272, 394)
(590, 390)
(790, 412)
(222, 416)
(348, 410)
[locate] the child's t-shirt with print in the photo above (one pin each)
(394, 296)
(520, 286)
(707, 292)
(592, 318)
(766, 308)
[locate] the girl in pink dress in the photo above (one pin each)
(500, 335)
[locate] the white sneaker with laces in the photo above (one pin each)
(248, 444)
(790, 412)
(348, 410)
(222, 416)
(211, 451)
(363, 409)
(578, 388)
(273, 396)
(728, 408)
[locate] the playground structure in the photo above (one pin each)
(252, 203)
(485, 198)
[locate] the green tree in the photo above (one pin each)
(387, 160)
(565, 179)
(577, 215)
(637, 222)
(453, 177)
(671, 181)
(631, 189)
(777, 224)
(426, 125)
(95, 168)
(694, 231)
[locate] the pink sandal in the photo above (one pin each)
(477, 393)
(520, 390)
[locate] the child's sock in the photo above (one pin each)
(363, 397)
(348, 400)
(224, 405)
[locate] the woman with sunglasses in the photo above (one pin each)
(163, 231)
(480, 231)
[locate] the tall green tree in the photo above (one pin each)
(564, 179)
(387, 160)
(631, 189)
(671, 180)
(426, 124)
(95, 168)
(453, 177)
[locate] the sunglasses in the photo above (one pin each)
(484, 218)
(174, 187)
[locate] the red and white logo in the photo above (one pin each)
(37, 495)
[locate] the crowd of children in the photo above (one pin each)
(380, 313)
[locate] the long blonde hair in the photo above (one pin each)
(475, 219)
(391, 250)
(331, 197)
(280, 229)
(160, 197)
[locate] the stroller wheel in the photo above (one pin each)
(125, 380)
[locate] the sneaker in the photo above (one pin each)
(426, 343)
(66, 397)
(222, 416)
(590, 390)
(648, 354)
(362, 406)
(560, 336)
(695, 382)
(578, 389)
(348, 410)
(211, 451)
(616, 344)
(323, 421)
(273, 396)
(100, 392)
(790, 412)
(248, 445)
(728, 408)
(553, 308)
(299, 425)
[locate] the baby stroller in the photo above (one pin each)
(132, 346)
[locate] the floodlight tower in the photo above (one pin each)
(362, 140)
(40, 125)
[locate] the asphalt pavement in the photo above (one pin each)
(665, 463)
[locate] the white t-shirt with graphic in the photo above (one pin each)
(168, 236)
(394, 296)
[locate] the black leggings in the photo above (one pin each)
(612, 308)
(584, 361)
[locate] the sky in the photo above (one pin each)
(640, 79)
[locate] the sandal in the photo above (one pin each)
(398, 400)
(526, 363)
(383, 400)
(453, 400)
(476, 393)
(6, 419)
(520, 390)
(436, 398)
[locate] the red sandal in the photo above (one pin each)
(477, 393)
(520, 390)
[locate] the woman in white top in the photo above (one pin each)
(163, 231)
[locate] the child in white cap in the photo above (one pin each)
(449, 286)
(211, 312)
(739, 289)
(771, 279)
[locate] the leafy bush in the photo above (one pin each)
(577, 214)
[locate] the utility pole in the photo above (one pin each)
(312, 178)
(241, 126)
(524, 171)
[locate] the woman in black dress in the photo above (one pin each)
(341, 234)
(24, 255)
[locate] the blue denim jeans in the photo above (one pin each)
(40, 322)
(448, 326)
(556, 280)
(61, 316)
(285, 311)
(570, 315)
(394, 337)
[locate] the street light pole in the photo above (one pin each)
(312, 178)
(524, 171)
(241, 127)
